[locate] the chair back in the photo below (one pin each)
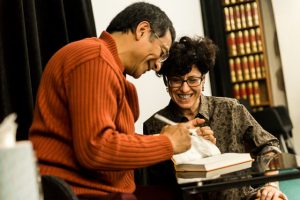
(54, 188)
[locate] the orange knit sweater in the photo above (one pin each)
(83, 126)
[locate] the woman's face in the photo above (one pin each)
(187, 94)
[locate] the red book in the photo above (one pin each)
(256, 92)
(258, 39)
(249, 15)
(262, 66)
(257, 66)
(231, 14)
(240, 43)
(245, 68)
(238, 69)
(243, 16)
(243, 91)
(254, 11)
(250, 93)
(247, 42)
(227, 19)
(236, 91)
(232, 70)
(253, 41)
(237, 16)
(231, 44)
(252, 67)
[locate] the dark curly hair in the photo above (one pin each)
(200, 51)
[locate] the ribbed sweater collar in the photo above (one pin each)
(111, 45)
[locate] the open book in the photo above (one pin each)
(210, 163)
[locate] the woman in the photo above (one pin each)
(228, 124)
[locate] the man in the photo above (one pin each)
(83, 126)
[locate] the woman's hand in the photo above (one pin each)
(270, 193)
(207, 134)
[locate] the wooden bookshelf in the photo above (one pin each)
(246, 52)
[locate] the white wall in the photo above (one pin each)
(287, 20)
(187, 19)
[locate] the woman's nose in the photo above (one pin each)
(185, 86)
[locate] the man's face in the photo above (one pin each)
(150, 53)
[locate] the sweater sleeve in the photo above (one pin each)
(95, 94)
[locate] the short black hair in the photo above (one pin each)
(131, 16)
(200, 51)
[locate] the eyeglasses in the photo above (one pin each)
(191, 81)
(164, 50)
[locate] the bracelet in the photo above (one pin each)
(273, 184)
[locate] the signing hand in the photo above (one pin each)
(179, 134)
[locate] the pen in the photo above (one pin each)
(170, 122)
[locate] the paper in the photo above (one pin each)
(8, 129)
(18, 171)
(201, 148)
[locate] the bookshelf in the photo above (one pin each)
(243, 56)
(246, 52)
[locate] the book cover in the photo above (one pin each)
(212, 163)
(213, 173)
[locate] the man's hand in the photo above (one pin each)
(179, 134)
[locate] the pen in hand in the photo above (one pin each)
(170, 122)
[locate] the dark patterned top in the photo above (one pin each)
(235, 129)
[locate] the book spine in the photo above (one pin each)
(258, 39)
(243, 16)
(262, 66)
(245, 68)
(249, 15)
(227, 19)
(250, 93)
(226, 2)
(252, 67)
(231, 15)
(231, 44)
(237, 15)
(253, 40)
(247, 42)
(243, 91)
(255, 13)
(257, 66)
(236, 91)
(238, 69)
(256, 92)
(232, 70)
(240, 43)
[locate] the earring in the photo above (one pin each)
(167, 89)
(202, 87)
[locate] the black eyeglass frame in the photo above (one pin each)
(200, 79)
(164, 54)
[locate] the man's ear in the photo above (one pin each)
(141, 29)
